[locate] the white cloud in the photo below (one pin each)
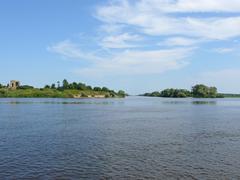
(157, 18)
(169, 6)
(71, 50)
(125, 62)
(182, 23)
(140, 62)
(111, 28)
(124, 40)
(224, 50)
(180, 41)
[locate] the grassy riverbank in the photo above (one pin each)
(54, 93)
(67, 90)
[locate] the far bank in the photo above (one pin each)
(65, 90)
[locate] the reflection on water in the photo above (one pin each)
(132, 138)
(54, 102)
(204, 102)
(107, 102)
(182, 101)
(175, 102)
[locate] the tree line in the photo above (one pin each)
(80, 86)
(197, 91)
(65, 85)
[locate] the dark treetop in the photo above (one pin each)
(197, 91)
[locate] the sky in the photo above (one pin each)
(135, 45)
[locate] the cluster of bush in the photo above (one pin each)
(2, 86)
(64, 89)
(198, 91)
(83, 87)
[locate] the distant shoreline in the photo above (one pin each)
(227, 96)
(64, 90)
(53, 93)
(197, 91)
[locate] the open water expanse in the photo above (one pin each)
(131, 138)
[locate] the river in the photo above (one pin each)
(131, 138)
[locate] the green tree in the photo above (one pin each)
(89, 87)
(1, 86)
(105, 89)
(174, 93)
(47, 87)
(121, 93)
(202, 91)
(74, 85)
(70, 86)
(155, 94)
(82, 86)
(53, 86)
(168, 93)
(97, 89)
(212, 92)
(65, 84)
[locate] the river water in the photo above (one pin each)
(131, 138)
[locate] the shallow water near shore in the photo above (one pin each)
(131, 138)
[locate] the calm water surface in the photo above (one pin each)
(132, 138)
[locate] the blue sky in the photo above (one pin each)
(138, 46)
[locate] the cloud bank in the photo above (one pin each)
(154, 36)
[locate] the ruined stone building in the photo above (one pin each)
(14, 84)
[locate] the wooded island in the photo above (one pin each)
(59, 90)
(197, 91)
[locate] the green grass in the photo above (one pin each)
(53, 93)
